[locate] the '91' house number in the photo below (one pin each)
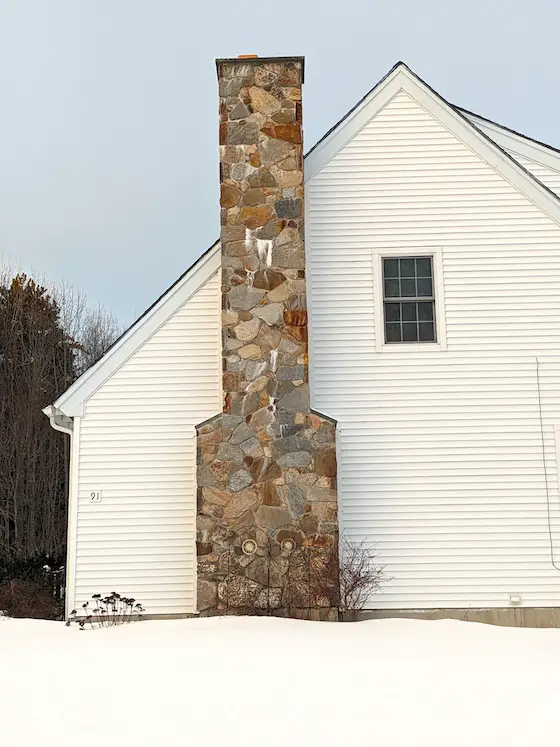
(95, 496)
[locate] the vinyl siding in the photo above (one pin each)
(547, 176)
(137, 445)
(441, 459)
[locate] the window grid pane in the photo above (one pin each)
(409, 303)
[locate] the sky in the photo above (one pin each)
(108, 112)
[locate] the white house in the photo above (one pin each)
(447, 403)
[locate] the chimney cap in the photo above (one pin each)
(255, 59)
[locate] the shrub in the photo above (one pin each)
(104, 612)
(20, 598)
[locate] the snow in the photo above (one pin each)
(245, 681)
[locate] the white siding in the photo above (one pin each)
(441, 461)
(547, 176)
(137, 445)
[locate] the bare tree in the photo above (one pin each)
(47, 338)
(348, 576)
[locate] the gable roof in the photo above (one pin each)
(468, 127)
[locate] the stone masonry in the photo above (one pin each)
(267, 463)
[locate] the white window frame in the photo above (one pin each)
(437, 268)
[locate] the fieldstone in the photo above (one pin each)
(232, 381)
(239, 111)
(220, 470)
(290, 373)
(240, 171)
(279, 294)
(272, 517)
(229, 318)
(289, 208)
(325, 462)
(254, 216)
(252, 448)
(239, 133)
(264, 77)
(264, 102)
(285, 445)
(215, 495)
(230, 86)
(272, 229)
(289, 164)
(253, 352)
(253, 197)
(262, 178)
(240, 434)
(321, 494)
(325, 435)
(295, 459)
(239, 591)
(258, 384)
(268, 493)
(251, 403)
(229, 195)
(271, 313)
(264, 469)
(261, 418)
(239, 503)
(247, 330)
(287, 179)
(228, 452)
(289, 347)
(205, 477)
(309, 523)
(296, 500)
(243, 298)
(268, 279)
(206, 594)
(289, 255)
(237, 481)
(256, 368)
(297, 400)
(290, 132)
(268, 338)
(272, 151)
(285, 116)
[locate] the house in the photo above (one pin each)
(429, 395)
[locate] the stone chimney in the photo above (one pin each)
(267, 464)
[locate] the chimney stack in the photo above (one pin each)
(267, 463)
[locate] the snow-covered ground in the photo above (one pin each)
(251, 681)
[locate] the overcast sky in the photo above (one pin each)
(108, 111)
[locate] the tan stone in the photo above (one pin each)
(289, 132)
(279, 294)
(325, 462)
(254, 216)
(288, 164)
(247, 330)
(270, 314)
(250, 352)
(229, 195)
(215, 495)
(258, 384)
(264, 102)
(229, 318)
(261, 418)
(239, 503)
(268, 338)
(287, 179)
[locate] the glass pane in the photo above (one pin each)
(408, 288)
(391, 268)
(424, 267)
(392, 312)
(410, 332)
(392, 332)
(391, 289)
(409, 312)
(424, 286)
(427, 332)
(408, 269)
(426, 311)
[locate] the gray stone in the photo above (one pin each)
(270, 314)
(322, 494)
(289, 208)
(252, 448)
(230, 86)
(244, 298)
(206, 595)
(240, 172)
(271, 150)
(261, 418)
(289, 255)
(230, 453)
(284, 445)
(239, 591)
(239, 133)
(239, 480)
(231, 421)
(254, 369)
(298, 459)
(239, 112)
(247, 330)
(290, 373)
(241, 433)
(296, 500)
(297, 400)
(239, 504)
(205, 477)
(270, 518)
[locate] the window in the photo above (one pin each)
(408, 299)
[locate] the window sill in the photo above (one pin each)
(413, 347)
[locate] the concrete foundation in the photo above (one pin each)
(520, 617)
